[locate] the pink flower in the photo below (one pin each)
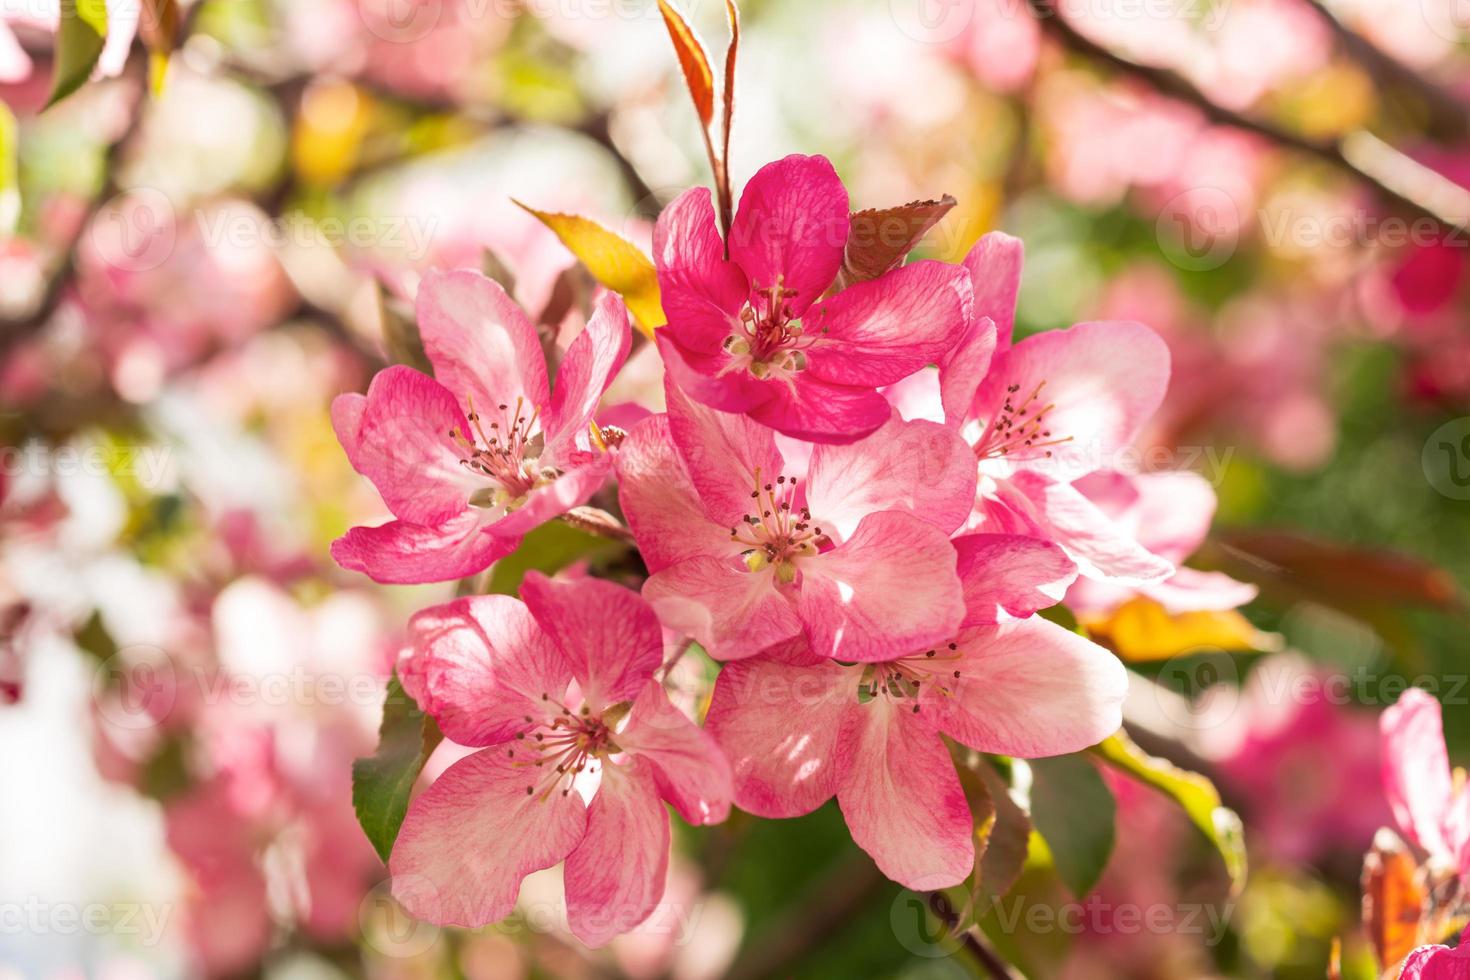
(1047, 411)
(753, 335)
(1439, 962)
(558, 694)
(799, 729)
(1431, 810)
(744, 554)
(473, 458)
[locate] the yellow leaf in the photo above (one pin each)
(1141, 629)
(613, 261)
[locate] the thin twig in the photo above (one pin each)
(993, 965)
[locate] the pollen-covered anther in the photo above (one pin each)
(771, 342)
(1020, 430)
(505, 451)
(778, 531)
(565, 746)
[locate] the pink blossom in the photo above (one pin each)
(1439, 962)
(745, 554)
(799, 729)
(558, 693)
(1431, 809)
(752, 334)
(470, 460)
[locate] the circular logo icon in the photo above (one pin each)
(1200, 688)
(932, 21)
(400, 21)
(136, 687)
(1450, 19)
(387, 927)
(135, 231)
(915, 919)
(1199, 229)
(1446, 459)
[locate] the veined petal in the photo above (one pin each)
(728, 457)
(699, 376)
(1416, 770)
(962, 370)
(571, 489)
(615, 878)
(1030, 689)
(587, 369)
(902, 799)
(791, 228)
(400, 553)
(482, 345)
(688, 767)
(820, 411)
(479, 665)
(607, 633)
(731, 612)
(1099, 546)
(470, 838)
(889, 588)
(702, 293)
(994, 264)
(1007, 576)
(663, 510)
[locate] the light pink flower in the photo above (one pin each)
(1047, 411)
(753, 334)
(1439, 962)
(559, 693)
(799, 729)
(1431, 810)
(473, 458)
(743, 554)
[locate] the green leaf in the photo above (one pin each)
(79, 41)
(1074, 812)
(9, 172)
(550, 548)
(1193, 792)
(382, 782)
(1002, 833)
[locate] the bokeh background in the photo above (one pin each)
(189, 275)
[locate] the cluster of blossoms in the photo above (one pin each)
(857, 498)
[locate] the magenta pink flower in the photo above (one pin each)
(473, 458)
(1439, 962)
(1430, 808)
(753, 334)
(1047, 411)
(799, 729)
(745, 554)
(558, 693)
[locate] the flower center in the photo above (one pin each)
(505, 453)
(771, 343)
(554, 753)
(1019, 430)
(907, 678)
(777, 531)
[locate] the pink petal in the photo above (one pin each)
(688, 767)
(15, 64)
(615, 878)
(1006, 576)
(347, 415)
(585, 372)
(876, 332)
(662, 508)
(482, 345)
(917, 397)
(777, 718)
(1030, 689)
(402, 444)
(791, 228)
(1101, 381)
(400, 553)
(470, 838)
(1173, 512)
(728, 457)
(1100, 548)
(920, 468)
(480, 665)
(963, 369)
(1416, 770)
(572, 489)
(819, 411)
(608, 634)
(698, 375)
(702, 294)
(1439, 962)
(994, 265)
(890, 588)
(902, 799)
(1191, 590)
(730, 612)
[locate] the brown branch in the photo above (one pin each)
(994, 967)
(1394, 177)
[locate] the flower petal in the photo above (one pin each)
(400, 553)
(819, 411)
(731, 612)
(1030, 689)
(1416, 770)
(482, 345)
(479, 665)
(902, 799)
(572, 489)
(891, 588)
(663, 510)
(701, 292)
(470, 838)
(963, 369)
(585, 372)
(728, 457)
(607, 633)
(777, 717)
(791, 228)
(876, 332)
(1100, 547)
(1007, 576)
(615, 878)
(920, 468)
(699, 376)
(994, 264)
(688, 767)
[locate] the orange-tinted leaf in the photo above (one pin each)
(693, 60)
(722, 175)
(1394, 899)
(1339, 574)
(880, 238)
(612, 261)
(1141, 629)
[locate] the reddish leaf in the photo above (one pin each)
(879, 239)
(694, 61)
(1394, 899)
